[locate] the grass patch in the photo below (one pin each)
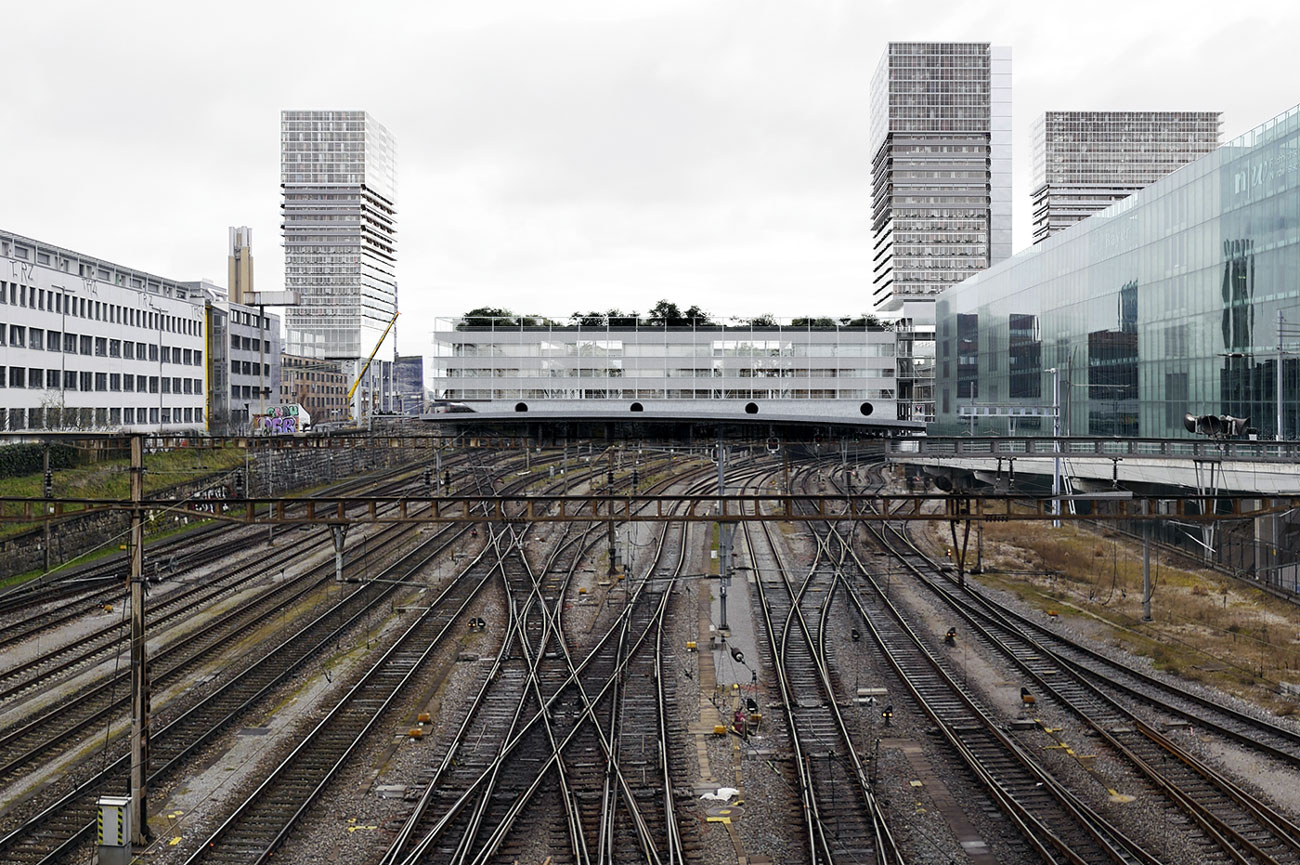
(110, 478)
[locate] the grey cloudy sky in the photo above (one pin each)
(562, 155)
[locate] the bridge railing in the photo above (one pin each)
(1046, 447)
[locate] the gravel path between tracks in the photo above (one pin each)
(230, 768)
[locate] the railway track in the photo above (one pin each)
(843, 820)
(265, 820)
(1272, 740)
(62, 826)
(60, 725)
(1230, 825)
(261, 824)
(69, 721)
(196, 549)
(577, 779)
(1054, 822)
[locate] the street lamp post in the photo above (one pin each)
(1280, 416)
(1056, 445)
(1283, 332)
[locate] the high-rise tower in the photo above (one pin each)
(940, 191)
(1085, 161)
(338, 173)
(941, 166)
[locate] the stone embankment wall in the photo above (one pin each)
(270, 473)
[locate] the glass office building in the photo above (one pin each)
(338, 171)
(1165, 303)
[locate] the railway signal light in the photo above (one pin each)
(446, 480)
(428, 477)
(49, 484)
(887, 714)
(609, 479)
(636, 478)
(773, 445)
(1216, 426)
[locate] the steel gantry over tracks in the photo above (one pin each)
(991, 507)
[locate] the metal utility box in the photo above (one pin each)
(114, 830)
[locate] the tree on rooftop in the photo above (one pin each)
(665, 313)
(486, 316)
(695, 315)
(618, 318)
(588, 319)
(867, 320)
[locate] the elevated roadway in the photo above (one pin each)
(1234, 467)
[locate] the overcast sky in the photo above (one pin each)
(556, 155)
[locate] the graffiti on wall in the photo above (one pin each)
(282, 420)
(211, 500)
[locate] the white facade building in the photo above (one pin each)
(836, 374)
(243, 360)
(91, 345)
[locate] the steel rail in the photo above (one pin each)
(419, 849)
(589, 708)
(1108, 840)
(191, 730)
(245, 813)
(1228, 837)
(883, 846)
